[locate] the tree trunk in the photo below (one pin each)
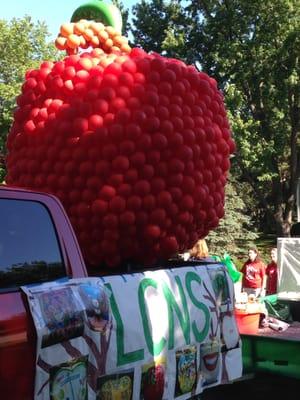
(283, 225)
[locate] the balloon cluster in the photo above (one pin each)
(84, 34)
(135, 145)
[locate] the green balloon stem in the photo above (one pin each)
(99, 11)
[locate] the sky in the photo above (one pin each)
(53, 13)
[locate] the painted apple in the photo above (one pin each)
(154, 383)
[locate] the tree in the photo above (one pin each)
(235, 231)
(23, 46)
(252, 49)
(160, 26)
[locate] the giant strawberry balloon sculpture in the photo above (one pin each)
(135, 145)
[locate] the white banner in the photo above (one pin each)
(156, 335)
(289, 268)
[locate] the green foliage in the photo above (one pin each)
(252, 49)
(235, 231)
(2, 169)
(160, 26)
(22, 46)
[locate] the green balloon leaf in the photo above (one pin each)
(99, 11)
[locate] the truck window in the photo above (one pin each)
(29, 248)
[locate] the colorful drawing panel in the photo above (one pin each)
(96, 306)
(68, 381)
(186, 370)
(153, 380)
(116, 386)
(62, 318)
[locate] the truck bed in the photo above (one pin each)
(273, 352)
(292, 333)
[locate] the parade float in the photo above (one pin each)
(136, 147)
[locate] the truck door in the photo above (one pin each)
(29, 253)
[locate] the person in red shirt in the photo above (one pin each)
(254, 274)
(271, 273)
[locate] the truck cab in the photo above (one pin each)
(37, 244)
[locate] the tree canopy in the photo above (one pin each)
(23, 45)
(236, 230)
(252, 49)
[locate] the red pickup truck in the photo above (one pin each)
(37, 244)
(197, 333)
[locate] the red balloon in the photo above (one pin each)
(152, 231)
(169, 245)
(133, 131)
(116, 180)
(147, 172)
(127, 218)
(138, 159)
(107, 192)
(117, 204)
(159, 141)
(131, 176)
(187, 202)
(82, 210)
(134, 203)
(176, 165)
(29, 126)
(142, 188)
(110, 221)
(149, 202)
(121, 163)
(109, 151)
(158, 64)
(164, 199)
(158, 216)
(124, 190)
(157, 185)
(129, 66)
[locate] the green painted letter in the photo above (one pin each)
(184, 318)
(154, 348)
(199, 335)
(122, 358)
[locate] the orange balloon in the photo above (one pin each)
(95, 41)
(79, 28)
(107, 45)
(118, 40)
(103, 36)
(83, 42)
(115, 50)
(61, 43)
(86, 63)
(73, 41)
(111, 31)
(88, 34)
(67, 29)
(126, 48)
(96, 27)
